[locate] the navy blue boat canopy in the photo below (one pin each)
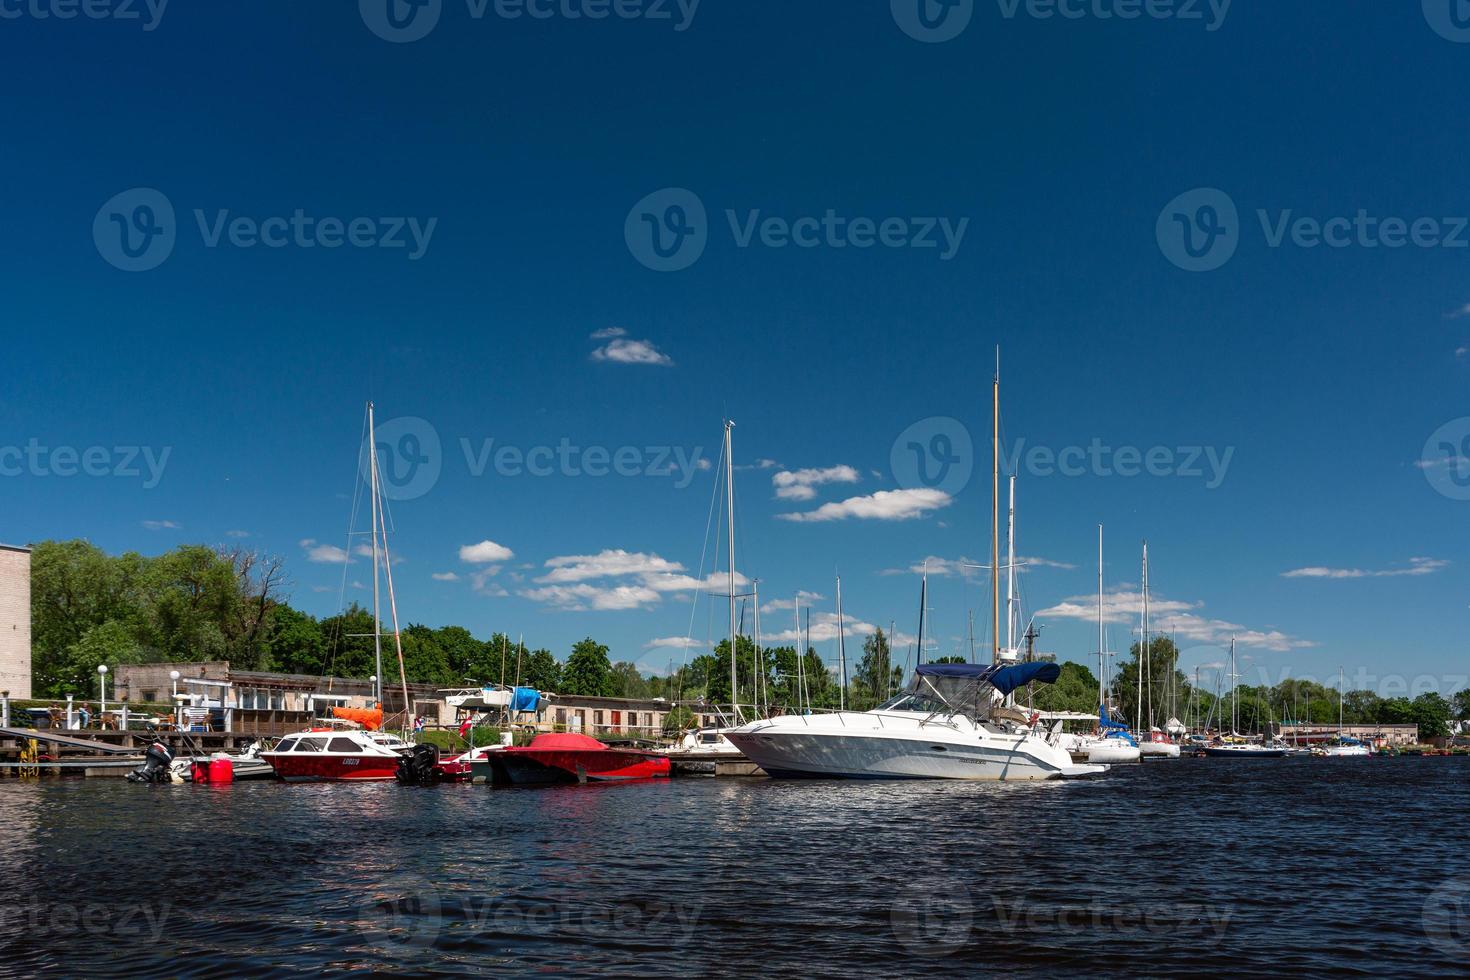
(1003, 679)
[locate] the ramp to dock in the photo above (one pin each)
(46, 735)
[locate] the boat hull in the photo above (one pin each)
(324, 767)
(921, 752)
(1217, 752)
(1158, 750)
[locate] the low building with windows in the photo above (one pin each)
(1307, 734)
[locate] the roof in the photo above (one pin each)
(14, 547)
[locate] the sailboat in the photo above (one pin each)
(700, 751)
(1110, 743)
(951, 722)
(1155, 743)
(1236, 746)
(348, 750)
(1344, 747)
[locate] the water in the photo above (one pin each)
(1304, 867)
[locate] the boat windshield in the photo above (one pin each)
(914, 701)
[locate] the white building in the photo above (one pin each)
(15, 620)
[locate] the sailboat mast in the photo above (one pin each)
(841, 653)
(377, 622)
(995, 513)
(759, 664)
(806, 644)
(730, 523)
(1101, 656)
(393, 610)
(923, 607)
(1145, 675)
(1011, 573)
(800, 654)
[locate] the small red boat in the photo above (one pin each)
(333, 755)
(566, 758)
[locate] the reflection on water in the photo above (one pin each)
(1299, 866)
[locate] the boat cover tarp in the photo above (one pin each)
(526, 699)
(1003, 679)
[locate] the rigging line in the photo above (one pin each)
(703, 553)
(336, 633)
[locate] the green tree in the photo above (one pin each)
(588, 671)
(542, 671)
(876, 677)
(1075, 689)
(294, 643)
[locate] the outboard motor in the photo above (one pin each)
(417, 768)
(155, 767)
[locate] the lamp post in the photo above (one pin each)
(102, 686)
(377, 694)
(173, 675)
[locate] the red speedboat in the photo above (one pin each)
(566, 758)
(334, 755)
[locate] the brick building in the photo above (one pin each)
(15, 620)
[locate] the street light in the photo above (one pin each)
(102, 684)
(377, 695)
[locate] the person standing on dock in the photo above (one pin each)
(84, 715)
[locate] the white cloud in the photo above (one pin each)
(237, 534)
(326, 554)
(625, 351)
(322, 588)
(585, 596)
(608, 333)
(676, 643)
(802, 484)
(1462, 311)
(1171, 615)
(1416, 566)
(885, 505)
(572, 582)
(161, 525)
(484, 553)
(1034, 562)
(359, 585)
(444, 577)
(807, 598)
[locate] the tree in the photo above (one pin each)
(542, 671)
(587, 671)
(1075, 689)
(294, 643)
(876, 677)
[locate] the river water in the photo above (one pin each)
(1302, 867)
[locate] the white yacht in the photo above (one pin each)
(951, 723)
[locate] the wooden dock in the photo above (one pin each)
(69, 752)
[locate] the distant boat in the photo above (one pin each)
(1344, 747)
(1154, 743)
(566, 758)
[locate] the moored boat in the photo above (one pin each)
(565, 758)
(336, 755)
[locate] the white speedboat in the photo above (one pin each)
(951, 723)
(1344, 748)
(1157, 745)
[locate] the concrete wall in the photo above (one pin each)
(15, 621)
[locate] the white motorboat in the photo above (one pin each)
(1158, 745)
(1344, 748)
(951, 723)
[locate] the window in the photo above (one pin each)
(286, 745)
(561, 716)
(597, 717)
(342, 745)
(278, 700)
(311, 745)
(150, 697)
(617, 718)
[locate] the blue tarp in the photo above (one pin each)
(525, 699)
(1108, 724)
(1003, 679)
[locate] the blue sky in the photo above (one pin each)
(1027, 182)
